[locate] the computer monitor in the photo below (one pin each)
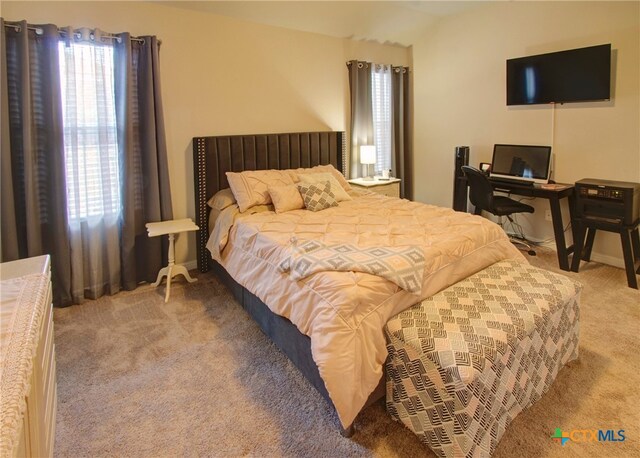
(522, 163)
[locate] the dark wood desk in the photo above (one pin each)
(553, 196)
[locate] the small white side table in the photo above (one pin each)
(171, 227)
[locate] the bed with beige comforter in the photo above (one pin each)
(344, 312)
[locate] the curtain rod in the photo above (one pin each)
(394, 67)
(38, 31)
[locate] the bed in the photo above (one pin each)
(337, 340)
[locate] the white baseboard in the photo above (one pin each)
(606, 259)
(191, 265)
(597, 257)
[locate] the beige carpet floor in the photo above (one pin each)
(196, 377)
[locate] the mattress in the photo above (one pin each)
(344, 313)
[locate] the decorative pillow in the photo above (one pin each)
(336, 174)
(296, 173)
(252, 187)
(222, 199)
(286, 198)
(317, 196)
(336, 189)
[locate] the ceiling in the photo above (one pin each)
(392, 22)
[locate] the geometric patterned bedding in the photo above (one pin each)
(403, 265)
(464, 362)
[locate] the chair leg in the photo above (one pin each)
(516, 241)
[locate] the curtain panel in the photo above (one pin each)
(143, 157)
(34, 209)
(91, 256)
(361, 113)
(369, 119)
(401, 147)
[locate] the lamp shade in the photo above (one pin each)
(367, 154)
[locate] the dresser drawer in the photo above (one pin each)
(391, 190)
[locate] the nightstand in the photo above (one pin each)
(390, 187)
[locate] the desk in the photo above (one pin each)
(553, 196)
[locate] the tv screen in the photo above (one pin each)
(521, 162)
(576, 75)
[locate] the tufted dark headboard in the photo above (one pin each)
(214, 156)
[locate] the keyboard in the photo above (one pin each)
(507, 182)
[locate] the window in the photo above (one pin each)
(90, 134)
(381, 107)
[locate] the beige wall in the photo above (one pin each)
(459, 71)
(224, 76)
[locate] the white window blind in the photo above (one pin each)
(381, 105)
(90, 134)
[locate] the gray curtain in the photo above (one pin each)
(362, 129)
(361, 113)
(34, 208)
(143, 157)
(33, 212)
(401, 147)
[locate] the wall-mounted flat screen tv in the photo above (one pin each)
(575, 75)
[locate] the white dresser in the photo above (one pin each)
(27, 359)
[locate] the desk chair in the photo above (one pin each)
(482, 197)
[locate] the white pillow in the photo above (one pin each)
(295, 173)
(286, 198)
(222, 199)
(318, 178)
(251, 187)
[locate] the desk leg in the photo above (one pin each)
(578, 245)
(558, 232)
(572, 219)
(629, 263)
(591, 235)
(635, 242)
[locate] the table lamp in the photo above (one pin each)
(367, 157)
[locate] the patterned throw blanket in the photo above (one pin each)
(403, 266)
